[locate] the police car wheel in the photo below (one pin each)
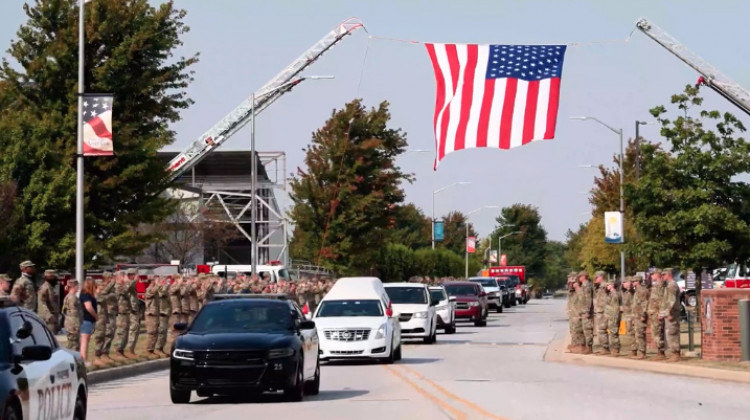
(80, 410)
(12, 412)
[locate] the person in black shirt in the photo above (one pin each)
(89, 305)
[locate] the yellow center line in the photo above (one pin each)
(459, 415)
(453, 396)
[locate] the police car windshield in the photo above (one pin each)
(336, 308)
(243, 317)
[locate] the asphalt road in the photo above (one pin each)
(495, 372)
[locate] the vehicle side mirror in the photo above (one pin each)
(180, 326)
(451, 298)
(36, 353)
(24, 331)
(306, 325)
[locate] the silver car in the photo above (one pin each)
(445, 309)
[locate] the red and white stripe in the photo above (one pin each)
(97, 135)
(473, 111)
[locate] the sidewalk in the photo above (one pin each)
(556, 352)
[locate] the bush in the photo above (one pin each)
(399, 263)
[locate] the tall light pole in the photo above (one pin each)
(79, 145)
(254, 169)
(434, 193)
(500, 241)
(638, 148)
(622, 182)
(466, 241)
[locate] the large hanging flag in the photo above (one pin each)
(97, 124)
(497, 96)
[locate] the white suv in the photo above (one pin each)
(415, 309)
(445, 309)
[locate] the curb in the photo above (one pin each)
(122, 372)
(556, 353)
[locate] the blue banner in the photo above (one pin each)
(437, 227)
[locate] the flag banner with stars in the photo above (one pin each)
(496, 96)
(97, 124)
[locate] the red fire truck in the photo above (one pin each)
(516, 276)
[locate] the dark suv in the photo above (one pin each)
(471, 301)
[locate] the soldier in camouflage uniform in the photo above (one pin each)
(136, 314)
(669, 312)
(102, 318)
(194, 302)
(123, 317)
(612, 305)
(164, 311)
(626, 312)
(185, 300)
(152, 314)
(110, 301)
(48, 301)
(24, 290)
(573, 319)
(585, 309)
(600, 322)
(175, 306)
(640, 315)
(654, 305)
(73, 313)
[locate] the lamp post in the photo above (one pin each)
(500, 241)
(622, 182)
(434, 193)
(254, 169)
(638, 149)
(466, 248)
(79, 144)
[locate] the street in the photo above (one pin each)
(495, 372)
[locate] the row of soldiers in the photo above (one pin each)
(599, 308)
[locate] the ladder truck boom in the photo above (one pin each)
(270, 92)
(710, 75)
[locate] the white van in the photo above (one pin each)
(356, 319)
(272, 272)
(416, 310)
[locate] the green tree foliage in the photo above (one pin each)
(574, 244)
(345, 199)
(411, 227)
(399, 263)
(556, 267)
(129, 53)
(527, 248)
(454, 231)
(690, 206)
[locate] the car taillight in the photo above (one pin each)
(389, 311)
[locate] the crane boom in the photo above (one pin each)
(710, 75)
(270, 92)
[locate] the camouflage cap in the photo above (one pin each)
(50, 272)
(582, 273)
(72, 282)
(27, 264)
(638, 279)
(656, 271)
(132, 271)
(610, 282)
(601, 274)
(4, 277)
(106, 274)
(572, 274)
(202, 276)
(628, 279)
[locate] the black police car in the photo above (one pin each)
(38, 378)
(246, 345)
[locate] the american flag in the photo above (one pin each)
(497, 96)
(97, 125)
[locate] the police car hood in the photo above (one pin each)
(234, 340)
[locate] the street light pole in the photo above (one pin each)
(434, 193)
(638, 149)
(466, 241)
(79, 147)
(622, 182)
(500, 242)
(254, 170)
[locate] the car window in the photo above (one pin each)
(438, 295)
(39, 332)
(407, 295)
(16, 321)
(243, 316)
(485, 282)
(461, 289)
(337, 308)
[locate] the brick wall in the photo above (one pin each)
(720, 339)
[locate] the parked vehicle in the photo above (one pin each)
(508, 291)
(357, 320)
(273, 271)
(416, 310)
(517, 272)
(494, 295)
(445, 309)
(471, 301)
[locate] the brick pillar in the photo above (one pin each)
(720, 338)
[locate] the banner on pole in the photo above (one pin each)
(493, 256)
(471, 244)
(97, 124)
(503, 260)
(438, 230)
(613, 229)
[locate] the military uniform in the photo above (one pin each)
(585, 309)
(24, 292)
(102, 319)
(626, 313)
(152, 318)
(123, 318)
(110, 300)
(574, 319)
(612, 304)
(48, 302)
(136, 315)
(670, 313)
(185, 302)
(3, 292)
(640, 315)
(175, 308)
(164, 312)
(73, 313)
(657, 325)
(600, 321)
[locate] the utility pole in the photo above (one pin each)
(638, 149)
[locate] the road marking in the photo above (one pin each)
(453, 396)
(459, 415)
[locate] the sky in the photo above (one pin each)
(609, 74)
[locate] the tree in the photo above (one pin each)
(574, 244)
(690, 206)
(555, 267)
(9, 219)
(344, 201)
(129, 53)
(411, 227)
(528, 247)
(454, 233)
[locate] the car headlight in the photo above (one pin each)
(183, 354)
(473, 303)
(420, 315)
(381, 332)
(279, 353)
